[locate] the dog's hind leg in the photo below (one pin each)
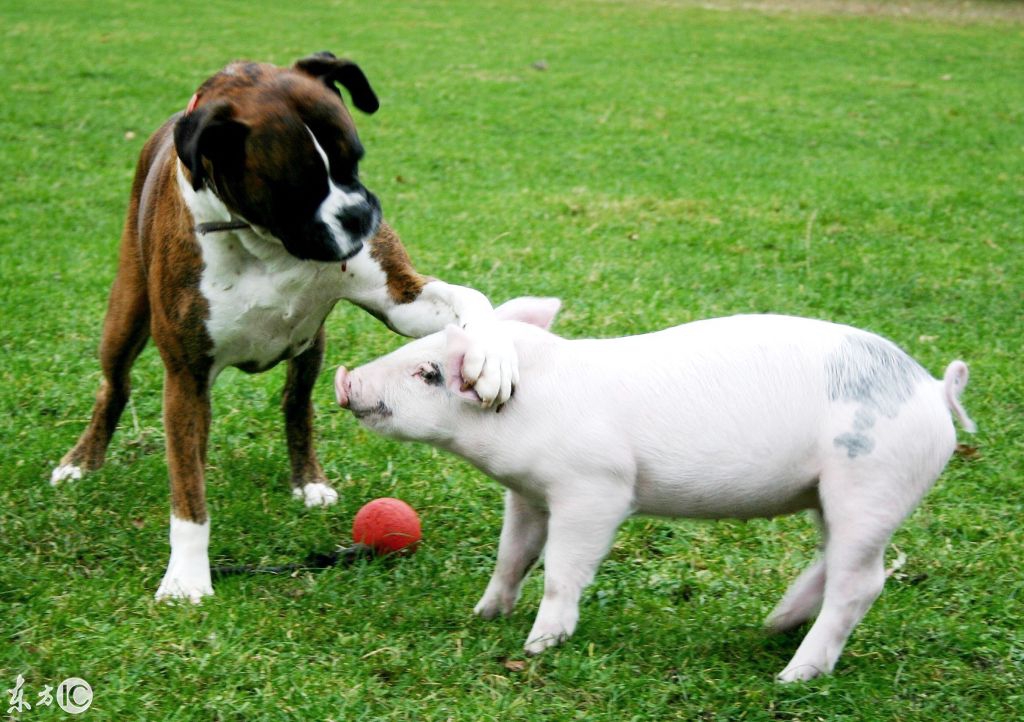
(125, 332)
(308, 480)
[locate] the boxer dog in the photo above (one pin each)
(247, 223)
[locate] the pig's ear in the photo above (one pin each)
(529, 309)
(456, 345)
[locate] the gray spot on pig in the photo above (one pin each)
(873, 372)
(856, 444)
(863, 420)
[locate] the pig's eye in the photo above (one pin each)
(431, 374)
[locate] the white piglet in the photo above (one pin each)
(740, 417)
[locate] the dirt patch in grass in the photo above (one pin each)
(953, 11)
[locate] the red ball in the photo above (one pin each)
(387, 525)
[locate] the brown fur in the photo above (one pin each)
(404, 283)
(156, 291)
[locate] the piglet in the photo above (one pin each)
(739, 417)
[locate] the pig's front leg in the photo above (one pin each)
(523, 533)
(580, 533)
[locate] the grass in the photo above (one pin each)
(672, 162)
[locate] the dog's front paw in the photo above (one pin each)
(490, 366)
(316, 493)
(188, 571)
(190, 590)
(188, 582)
(65, 472)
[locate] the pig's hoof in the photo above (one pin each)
(491, 608)
(65, 472)
(316, 493)
(493, 605)
(785, 620)
(486, 611)
(537, 643)
(799, 673)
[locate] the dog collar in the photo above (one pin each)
(217, 226)
(213, 226)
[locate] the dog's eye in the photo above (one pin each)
(431, 374)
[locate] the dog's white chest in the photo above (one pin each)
(265, 304)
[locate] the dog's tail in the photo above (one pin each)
(954, 381)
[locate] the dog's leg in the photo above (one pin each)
(187, 426)
(308, 480)
(385, 284)
(523, 533)
(581, 529)
(125, 332)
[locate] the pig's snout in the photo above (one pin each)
(341, 387)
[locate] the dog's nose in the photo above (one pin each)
(341, 386)
(358, 220)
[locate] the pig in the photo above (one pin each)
(739, 417)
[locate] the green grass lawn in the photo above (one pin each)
(651, 163)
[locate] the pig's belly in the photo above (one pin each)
(714, 483)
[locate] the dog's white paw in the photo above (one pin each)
(316, 494)
(65, 472)
(186, 578)
(188, 571)
(185, 588)
(192, 590)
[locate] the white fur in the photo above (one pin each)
(316, 494)
(749, 416)
(64, 472)
(188, 571)
(264, 302)
(337, 200)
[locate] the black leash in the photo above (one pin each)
(314, 562)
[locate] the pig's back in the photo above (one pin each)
(722, 415)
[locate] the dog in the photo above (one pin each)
(740, 417)
(247, 223)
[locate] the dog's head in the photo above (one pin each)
(279, 148)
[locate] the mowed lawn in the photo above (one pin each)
(651, 163)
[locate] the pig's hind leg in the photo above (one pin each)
(803, 598)
(523, 533)
(860, 515)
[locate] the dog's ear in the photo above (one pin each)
(211, 132)
(328, 69)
